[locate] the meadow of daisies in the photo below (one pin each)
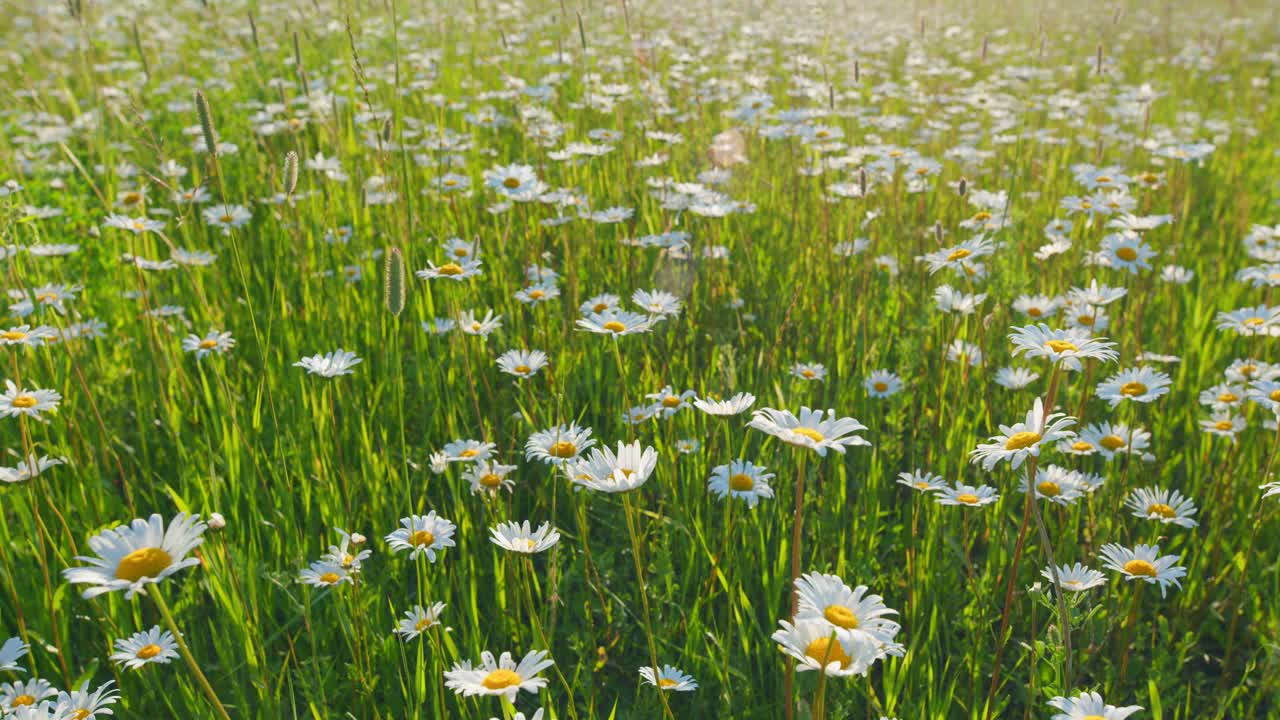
(591, 359)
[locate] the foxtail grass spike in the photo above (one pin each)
(394, 282)
(206, 123)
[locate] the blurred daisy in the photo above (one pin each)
(1249, 321)
(419, 620)
(615, 322)
(687, 446)
(488, 476)
(559, 445)
(130, 557)
(668, 678)
(922, 481)
(421, 534)
(338, 362)
(28, 468)
(1165, 506)
(1127, 251)
(469, 324)
(741, 479)
(226, 217)
(657, 302)
(503, 677)
(518, 537)
(11, 652)
(1015, 378)
(1224, 424)
(883, 384)
(1015, 443)
(1089, 706)
(600, 303)
(540, 293)
(468, 450)
(458, 271)
(965, 353)
(1143, 563)
(15, 402)
(970, 495)
(735, 405)
(812, 429)
(1141, 384)
(1076, 578)
(27, 335)
(668, 402)
(1111, 440)
(817, 647)
(809, 371)
(213, 341)
(143, 648)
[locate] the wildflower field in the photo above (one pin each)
(537, 359)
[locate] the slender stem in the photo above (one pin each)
(186, 654)
(644, 597)
(797, 525)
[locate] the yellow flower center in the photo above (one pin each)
(1254, 321)
(810, 433)
(1103, 179)
(563, 449)
(922, 486)
(1061, 346)
(469, 453)
(537, 295)
(826, 651)
(1223, 425)
(330, 578)
(132, 198)
(1275, 396)
(1133, 389)
(741, 482)
(449, 269)
(614, 326)
(1140, 567)
(511, 183)
(880, 386)
(1127, 254)
(1081, 446)
(24, 402)
(501, 679)
(1049, 488)
(422, 624)
(13, 335)
(421, 537)
(1227, 397)
(1086, 205)
(958, 254)
(807, 373)
(23, 700)
(146, 652)
(491, 480)
(226, 218)
(1162, 510)
(1112, 442)
(667, 683)
(841, 616)
(46, 297)
(600, 307)
(967, 498)
(1035, 312)
(1093, 717)
(1085, 320)
(671, 401)
(1248, 370)
(80, 714)
(147, 562)
(208, 344)
(1021, 440)
(523, 369)
(982, 216)
(1149, 178)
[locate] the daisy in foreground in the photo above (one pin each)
(608, 472)
(1142, 385)
(338, 362)
(1144, 563)
(1088, 706)
(817, 647)
(741, 479)
(558, 445)
(848, 612)
(141, 649)
(419, 620)
(422, 534)
(669, 678)
(1015, 443)
(24, 694)
(1165, 506)
(1076, 578)
(1066, 347)
(130, 557)
(504, 677)
(17, 401)
(812, 429)
(518, 537)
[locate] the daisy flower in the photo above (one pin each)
(515, 182)
(1143, 563)
(226, 217)
(338, 362)
(518, 537)
(657, 302)
(669, 402)
(488, 476)
(1036, 307)
(615, 322)
(668, 678)
(84, 705)
(540, 293)
(605, 471)
(422, 534)
(1055, 484)
(741, 479)
(16, 401)
(143, 648)
(817, 647)
(130, 557)
(1141, 384)
(922, 481)
(1067, 346)
(469, 324)
(344, 554)
(559, 445)
(1089, 706)
(1015, 378)
(457, 271)
(1015, 443)
(213, 341)
(956, 257)
(600, 303)
(1112, 440)
(883, 384)
(503, 677)
(1165, 506)
(324, 573)
(28, 468)
(811, 429)
(965, 353)
(970, 495)
(1249, 321)
(809, 371)
(468, 450)
(419, 620)
(735, 405)
(11, 652)
(23, 694)
(27, 335)
(1127, 251)
(1222, 396)
(1076, 578)
(849, 612)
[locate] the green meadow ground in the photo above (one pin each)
(853, 139)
